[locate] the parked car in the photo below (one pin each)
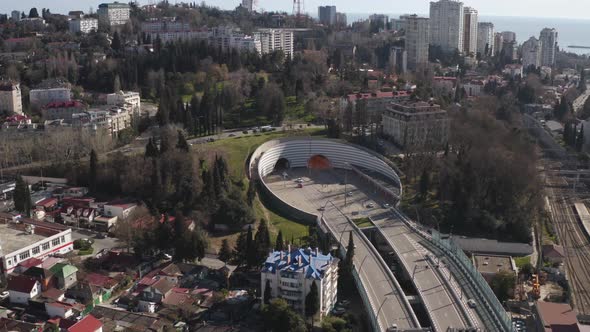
(300, 185)
(349, 194)
(4, 295)
(386, 206)
(370, 205)
(245, 132)
(471, 303)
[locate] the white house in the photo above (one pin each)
(119, 210)
(59, 309)
(22, 288)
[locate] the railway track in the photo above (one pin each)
(574, 242)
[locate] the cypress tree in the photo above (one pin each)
(19, 196)
(262, 241)
(251, 193)
(27, 202)
(182, 144)
(279, 245)
(267, 292)
(312, 302)
(92, 173)
(241, 248)
(225, 251)
(348, 260)
(251, 251)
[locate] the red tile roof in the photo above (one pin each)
(556, 314)
(87, 324)
(31, 262)
(53, 293)
(100, 280)
(66, 104)
(20, 283)
(48, 202)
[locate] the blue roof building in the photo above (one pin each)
(292, 272)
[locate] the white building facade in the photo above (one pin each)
(274, 40)
(113, 14)
(470, 26)
(446, 25)
(291, 273)
(83, 25)
(42, 97)
(129, 99)
(417, 31)
(548, 39)
(485, 38)
(10, 97)
(531, 53)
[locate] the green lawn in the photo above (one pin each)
(236, 151)
(522, 261)
(363, 222)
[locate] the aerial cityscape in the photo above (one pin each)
(223, 167)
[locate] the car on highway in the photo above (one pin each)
(337, 311)
(370, 205)
(299, 180)
(471, 303)
(349, 194)
(386, 206)
(323, 208)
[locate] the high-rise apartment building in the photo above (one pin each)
(274, 40)
(485, 38)
(446, 25)
(531, 53)
(10, 97)
(548, 39)
(113, 14)
(327, 15)
(508, 36)
(398, 59)
(83, 25)
(379, 19)
(248, 4)
(15, 15)
(341, 19)
(498, 42)
(470, 30)
(417, 31)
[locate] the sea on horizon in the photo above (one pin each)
(570, 31)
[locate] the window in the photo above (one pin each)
(9, 262)
(55, 242)
(45, 246)
(63, 239)
(24, 255)
(36, 251)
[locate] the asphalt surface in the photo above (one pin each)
(437, 286)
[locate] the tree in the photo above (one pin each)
(92, 173)
(279, 245)
(241, 248)
(251, 193)
(225, 251)
(580, 139)
(20, 195)
(312, 302)
(116, 44)
(262, 241)
(267, 292)
(151, 149)
(502, 284)
(33, 13)
(251, 252)
(424, 184)
(117, 84)
(126, 228)
(348, 260)
(27, 201)
(278, 316)
(182, 144)
(164, 236)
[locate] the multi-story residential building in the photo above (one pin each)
(531, 53)
(498, 42)
(416, 124)
(43, 96)
(474, 88)
(417, 31)
(248, 4)
(83, 25)
(291, 273)
(274, 40)
(374, 104)
(10, 97)
(129, 99)
(398, 60)
(470, 25)
(508, 36)
(341, 19)
(15, 15)
(227, 38)
(63, 110)
(168, 29)
(327, 15)
(398, 24)
(111, 119)
(446, 25)
(485, 38)
(510, 50)
(113, 14)
(548, 39)
(379, 19)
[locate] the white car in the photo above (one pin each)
(471, 303)
(4, 295)
(299, 180)
(386, 206)
(370, 205)
(349, 194)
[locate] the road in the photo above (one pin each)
(445, 309)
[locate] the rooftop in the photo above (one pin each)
(307, 261)
(13, 239)
(21, 283)
(493, 264)
(487, 246)
(62, 270)
(558, 315)
(377, 95)
(88, 323)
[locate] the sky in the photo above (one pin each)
(577, 9)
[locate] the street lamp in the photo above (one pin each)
(346, 165)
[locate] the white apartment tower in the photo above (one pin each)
(470, 31)
(10, 97)
(327, 15)
(531, 53)
(113, 14)
(248, 4)
(548, 39)
(446, 24)
(417, 31)
(485, 38)
(275, 39)
(83, 25)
